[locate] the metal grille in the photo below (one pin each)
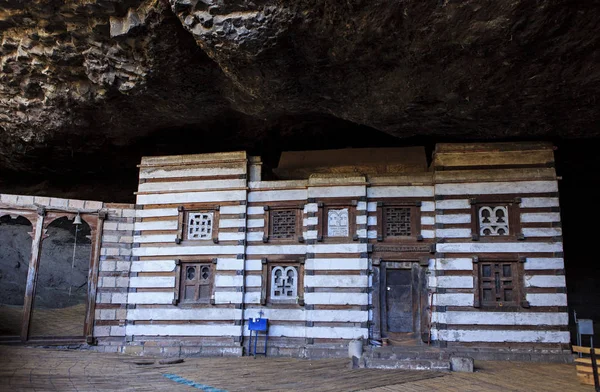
(283, 224)
(397, 222)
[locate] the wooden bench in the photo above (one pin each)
(587, 366)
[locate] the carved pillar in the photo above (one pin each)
(34, 263)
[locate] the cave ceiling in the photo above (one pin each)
(88, 86)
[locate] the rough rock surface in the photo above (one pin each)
(86, 84)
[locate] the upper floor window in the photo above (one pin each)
(398, 221)
(338, 222)
(283, 223)
(495, 219)
(283, 282)
(199, 225)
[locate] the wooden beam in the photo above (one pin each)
(93, 278)
(32, 272)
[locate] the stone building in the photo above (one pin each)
(463, 254)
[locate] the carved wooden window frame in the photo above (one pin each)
(267, 267)
(182, 219)
(518, 287)
(415, 212)
(514, 218)
(268, 228)
(323, 221)
(180, 270)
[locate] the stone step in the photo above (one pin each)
(421, 364)
(405, 353)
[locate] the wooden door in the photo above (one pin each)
(399, 300)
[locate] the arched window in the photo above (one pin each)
(284, 283)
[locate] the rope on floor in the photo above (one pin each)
(184, 381)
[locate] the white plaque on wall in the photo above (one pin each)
(337, 223)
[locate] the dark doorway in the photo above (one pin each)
(399, 300)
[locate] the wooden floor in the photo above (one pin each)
(35, 369)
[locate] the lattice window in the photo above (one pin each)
(196, 281)
(493, 220)
(498, 283)
(200, 225)
(398, 222)
(337, 223)
(283, 224)
(284, 283)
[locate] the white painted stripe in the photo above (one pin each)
(540, 217)
(500, 318)
(427, 220)
(361, 220)
(256, 210)
(336, 281)
(453, 233)
(455, 299)
(279, 195)
(361, 206)
(372, 234)
(311, 207)
(427, 206)
(182, 330)
(252, 298)
(372, 221)
(400, 191)
(275, 249)
(545, 281)
(233, 209)
(145, 239)
(541, 263)
(428, 233)
(227, 223)
(188, 250)
(150, 298)
(236, 281)
(353, 316)
(537, 202)
(455, 282)
(316, 332)
(153, 266)
(453, 218)
(453, 204)
(191, 172)
(222, 297)
(254, 236)
(489, 188)
(310, 221)
(336, 298)
(547, 299)
(254, 265)
(252, 223)
(337, 264)
(152, 281)
(337, 191)
(226, 236)
(158, 225)
(372, 206)
(337, 248)
(190, 185)
(453, 335)
(230, 264)
(541, 231)
(361, 233)
(310, 235)
(184, 314)
(191, 197)
(155, 212)
(451, 264)
(507, 247)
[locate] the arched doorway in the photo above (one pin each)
(60, 301)
(15, 253)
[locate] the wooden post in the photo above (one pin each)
(93, 278)
(32, 272)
